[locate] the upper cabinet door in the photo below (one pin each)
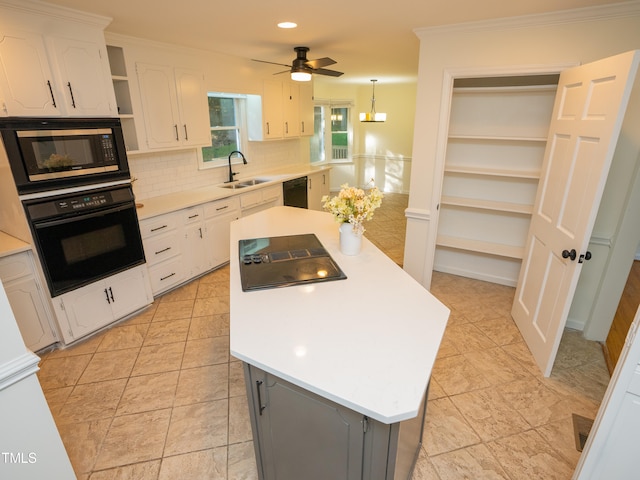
(193, 107)
(306, 109)
(27, 86)
(158, 94)
(84, 77)
(175, 106)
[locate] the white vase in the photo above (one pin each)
(350, 241)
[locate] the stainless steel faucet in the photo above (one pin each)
(231, 172)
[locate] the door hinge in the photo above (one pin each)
(365, 424)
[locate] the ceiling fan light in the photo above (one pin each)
(287, 25)
(301, 76)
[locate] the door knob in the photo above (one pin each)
(570, 254)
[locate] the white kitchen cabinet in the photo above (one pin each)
(284, 110)
(196, 249)
(162, 241)
(305, 112)
(261, 199)
(291, 109)
(317, 187)
(54, 76)
(218, 218)
(496, 142)
(87, 309)
(27, 300)
(174, 103)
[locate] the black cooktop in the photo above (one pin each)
(273, 262)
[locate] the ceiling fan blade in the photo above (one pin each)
(283, 71)
(321, 62)
(324, 71)
(272, 63)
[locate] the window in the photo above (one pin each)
(227, 129)
(334, 143)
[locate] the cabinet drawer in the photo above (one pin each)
(157, 225)
(250, 199)
(166, 275)
(161, 247)
(15, 266)
(271, 193)
(191, 215)
(221, 207)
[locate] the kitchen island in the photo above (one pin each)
(336, 372)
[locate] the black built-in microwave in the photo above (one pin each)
(47, 154)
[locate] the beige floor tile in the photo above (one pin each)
(56, 398)
(239, 423)
(159, 358)
(242, 462)
(197, 427)
(496, 366)
(83, 347)
(206, 351)
(185, 292)
(83, 441)
(424, 469)
(520, 352)
(534, 401)
(237, 385)
(528, 455)
(446, 429)
(134, 438)
(137, 471)
(123, 337)
(502, 331)
(560, 434)
(202, 384)
(62, 372)
(173, 310)
(488, 414)
(171, 331)
(472, 463)
(590, 380)
(92, 401)
(467, 337)
(213, 289)
(457, 375)
(206, 464)
(211, 306)
(148, 392)
(209, 326)
(110, 365)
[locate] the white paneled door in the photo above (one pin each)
(590, 104)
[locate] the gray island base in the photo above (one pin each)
(300, 435)
(336, 372)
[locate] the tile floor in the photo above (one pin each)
(159, 397)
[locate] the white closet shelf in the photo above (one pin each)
(119, 78)
(480, 246)
(487, 204)
(510, 89)
(496, 138)
(492, 172)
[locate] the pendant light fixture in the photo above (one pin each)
(373, 116)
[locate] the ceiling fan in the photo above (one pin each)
(301, 68)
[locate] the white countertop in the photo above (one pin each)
(188, 198)
(10, 245)
(368, 342)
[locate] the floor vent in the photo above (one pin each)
(581, 429)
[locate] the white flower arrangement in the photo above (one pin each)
(353, 205)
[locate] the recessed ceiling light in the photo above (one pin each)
(287, 25)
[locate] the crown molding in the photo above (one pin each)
(578, 15)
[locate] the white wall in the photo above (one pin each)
(381, 151)
(538, 41)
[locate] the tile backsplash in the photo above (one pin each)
(165, 172)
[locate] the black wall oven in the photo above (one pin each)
(85, 236)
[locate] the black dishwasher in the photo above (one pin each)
(295, 192)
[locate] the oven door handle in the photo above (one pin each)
(82, 216)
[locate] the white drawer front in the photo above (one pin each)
(157, 225)
(15, 266)
(166, 275)
(271, 193)
(162, 247)
(191, 215)
(221, 207)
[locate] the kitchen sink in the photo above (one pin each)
(232, 186)
(253, 181)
